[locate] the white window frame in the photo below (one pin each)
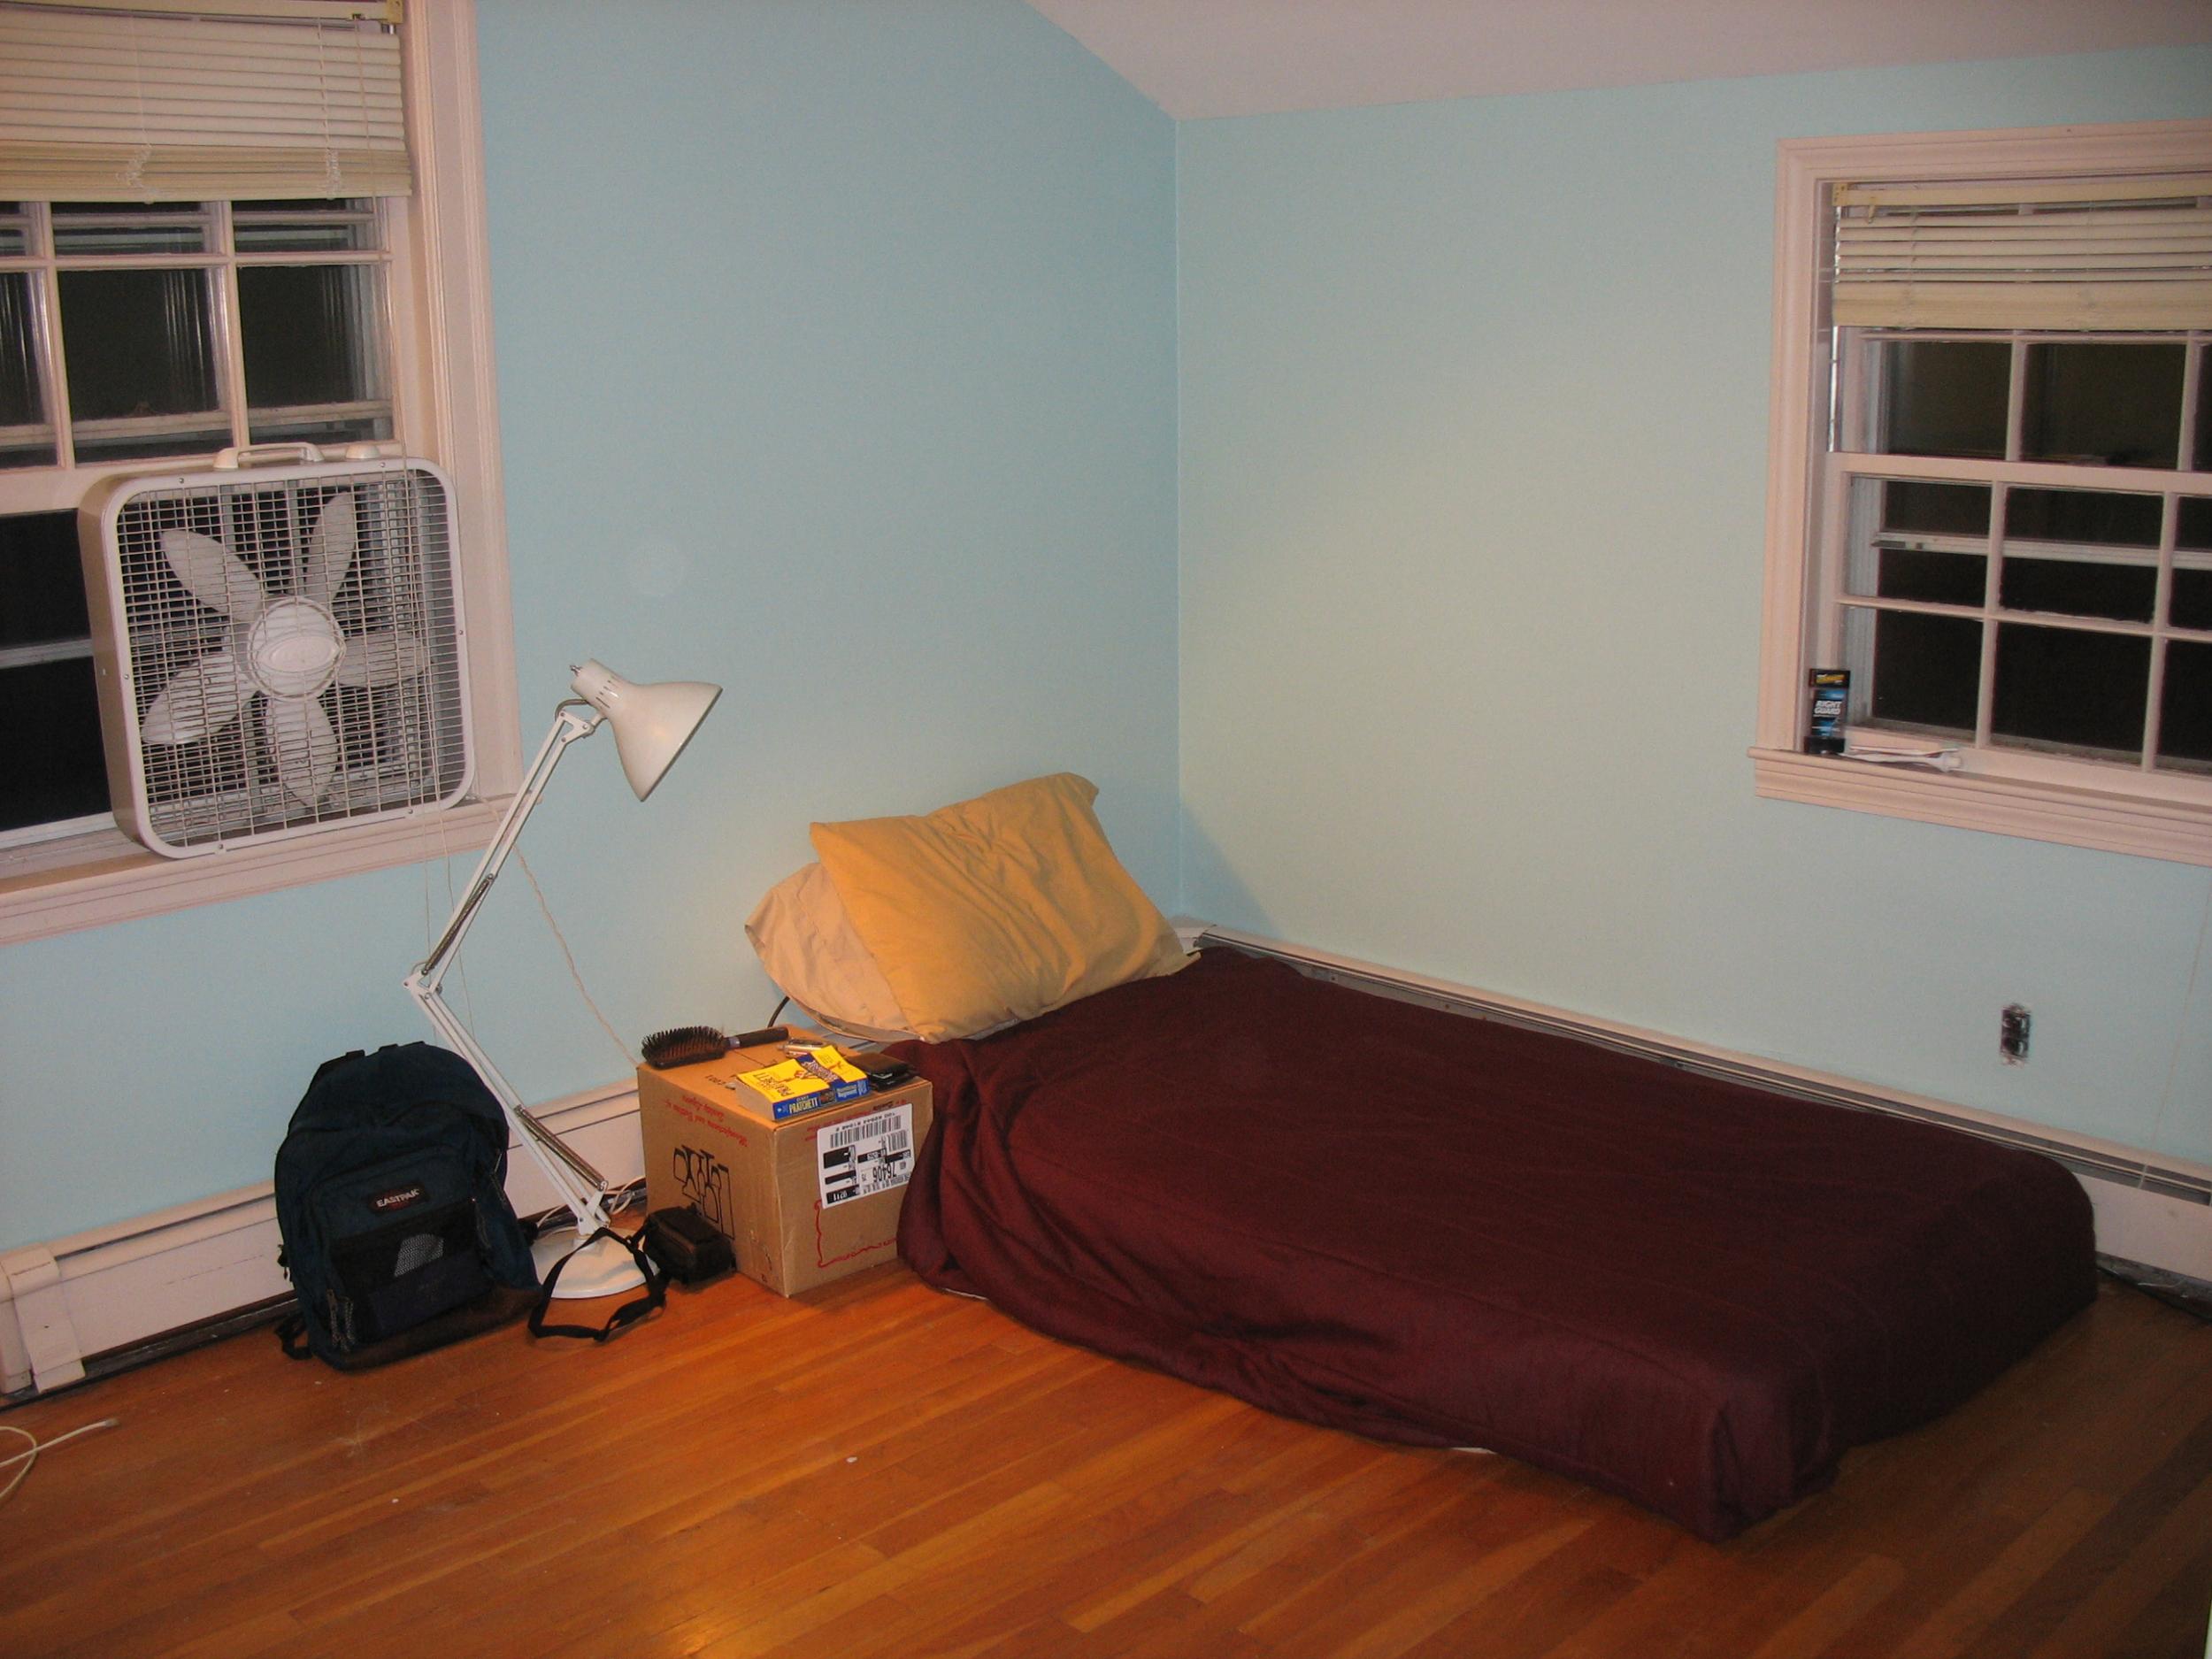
(2041, 797)
(440, 306)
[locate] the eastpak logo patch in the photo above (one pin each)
(398, 1198)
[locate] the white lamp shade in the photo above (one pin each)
(651, 724)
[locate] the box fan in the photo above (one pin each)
(278, 648)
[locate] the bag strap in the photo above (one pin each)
(290, 1335)
(346, 1058)
(655, 1294)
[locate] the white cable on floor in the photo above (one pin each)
(29, 1459)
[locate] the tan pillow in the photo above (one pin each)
(807, 944)
(997, 909)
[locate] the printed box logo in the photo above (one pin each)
(705, 1181)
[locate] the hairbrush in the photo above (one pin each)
(693, 1045)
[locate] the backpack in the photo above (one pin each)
(392, 1202)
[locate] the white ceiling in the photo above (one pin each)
(1204, 57)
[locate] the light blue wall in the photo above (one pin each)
(1474, 411)
(836, 356)
(839, 361)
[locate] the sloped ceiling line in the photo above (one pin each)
(1197, 58)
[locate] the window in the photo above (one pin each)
(1991, 493)
(228, 282)
(177, 328)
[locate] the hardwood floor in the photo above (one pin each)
(877, 1470)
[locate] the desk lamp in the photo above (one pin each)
(651, 725)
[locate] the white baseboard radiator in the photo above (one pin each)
(2150, 1209)
(97, 1302)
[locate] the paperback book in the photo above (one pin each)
(806, 1082)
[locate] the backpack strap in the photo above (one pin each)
(655, 1297)
(346, 1058)
(291, 1336)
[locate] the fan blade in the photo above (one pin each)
(329, 550)
(213, 576)
(380, 659)
(203, 697)
(302, 745)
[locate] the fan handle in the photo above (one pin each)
(264, 454)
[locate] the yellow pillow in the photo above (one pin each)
(997, 909)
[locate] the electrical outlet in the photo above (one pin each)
(2012, 1034)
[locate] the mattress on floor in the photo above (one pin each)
(1444, 1230)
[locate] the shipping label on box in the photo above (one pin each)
(866, 1156)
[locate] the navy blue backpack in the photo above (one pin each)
(391, 1197)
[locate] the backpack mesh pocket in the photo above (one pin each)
(398, 1276)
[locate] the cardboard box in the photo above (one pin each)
(802, 1201)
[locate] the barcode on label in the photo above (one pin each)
(869, 1155)
(862, 1129)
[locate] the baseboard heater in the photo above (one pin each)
(96, 1302)
(2150, 1209)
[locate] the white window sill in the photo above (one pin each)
(2169, 819)
(92, 880)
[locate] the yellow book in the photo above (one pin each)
(822, 1077)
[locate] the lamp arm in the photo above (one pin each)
(579, 1184)
(568, 725)
(580, 1187)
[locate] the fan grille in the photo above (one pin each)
(392, 745)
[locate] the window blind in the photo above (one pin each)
(279, 101)
(2111, 253)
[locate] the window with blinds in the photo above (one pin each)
(198, 224)
(2017, 514)
(1991, 481)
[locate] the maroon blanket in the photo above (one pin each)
(1691, 1293)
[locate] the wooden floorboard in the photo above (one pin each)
(875, 1470)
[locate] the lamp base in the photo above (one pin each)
(602, 1268)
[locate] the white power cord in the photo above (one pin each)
(629, 1055)
(29, 1459)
